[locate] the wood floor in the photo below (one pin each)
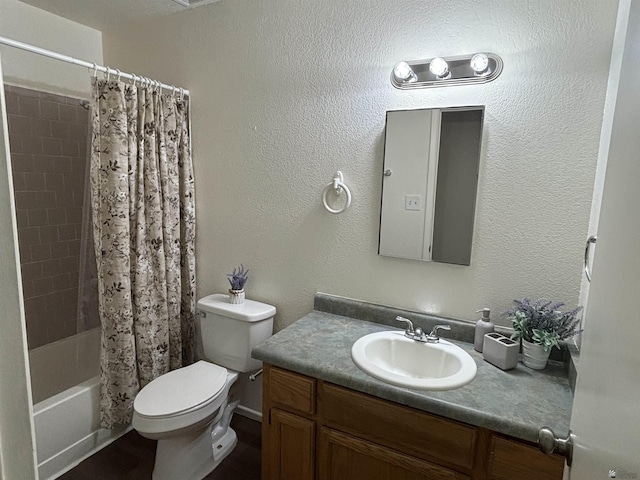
(131, 457)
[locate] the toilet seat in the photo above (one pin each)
(181, 391)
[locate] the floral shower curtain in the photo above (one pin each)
(143, 211)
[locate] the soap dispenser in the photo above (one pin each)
(483, 326)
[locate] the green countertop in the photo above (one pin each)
(517, 402)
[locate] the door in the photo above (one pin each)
(606, 410)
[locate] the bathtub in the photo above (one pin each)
(66, 387)
(68, 429)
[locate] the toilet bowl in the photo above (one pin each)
(178, 409)
(188, 410)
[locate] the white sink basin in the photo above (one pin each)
(398, 360)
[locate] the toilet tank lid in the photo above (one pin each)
(249, 310)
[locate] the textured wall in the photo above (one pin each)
(22, 22)
(17, 443)
(28, 24)
(287, 92)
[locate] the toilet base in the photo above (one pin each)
(193, 456)
(192, 460)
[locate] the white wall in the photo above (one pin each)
(287, 92)
(27, 24)
(22, 22)
(17, 448)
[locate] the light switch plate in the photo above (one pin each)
(413, 202)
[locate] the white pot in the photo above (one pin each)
(534, 355)
(236, 296)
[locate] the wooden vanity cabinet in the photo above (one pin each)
(316, 430)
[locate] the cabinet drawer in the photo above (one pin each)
(398, 427)
(510, 459)
(292, 390)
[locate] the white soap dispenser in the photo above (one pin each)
(483, 326)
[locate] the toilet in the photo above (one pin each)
(188, 410)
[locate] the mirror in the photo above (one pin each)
(430, 178)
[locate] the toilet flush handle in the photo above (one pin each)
(254, 376)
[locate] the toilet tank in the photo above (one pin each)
(230, 331)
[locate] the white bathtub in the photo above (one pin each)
(66, 387)
(67, 429)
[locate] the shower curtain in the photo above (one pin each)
(143, 212)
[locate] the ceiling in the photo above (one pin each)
(105, 14)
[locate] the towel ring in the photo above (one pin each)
(338, 187)
(587, 270)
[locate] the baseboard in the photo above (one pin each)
(249, 413)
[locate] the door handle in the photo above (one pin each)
(549, 443)
(587, 270)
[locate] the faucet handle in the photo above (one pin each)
(409, 330)
(433, 336)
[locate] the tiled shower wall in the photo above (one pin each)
(48, 142)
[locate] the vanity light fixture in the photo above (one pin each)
(447, 71)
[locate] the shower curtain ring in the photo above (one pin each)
(134, 79)
(108, 74)
(173, 90)
(95, 70)
(119, 73)
(181, 93)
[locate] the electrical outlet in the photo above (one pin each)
(413, 202)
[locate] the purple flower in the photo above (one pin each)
(238, 277)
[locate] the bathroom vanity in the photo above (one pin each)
(315, 429)
(324, 419)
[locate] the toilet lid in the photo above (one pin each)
(180, 390)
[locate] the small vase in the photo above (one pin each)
(534, 355)
(236, 296)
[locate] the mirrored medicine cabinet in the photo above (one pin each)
(430, 179)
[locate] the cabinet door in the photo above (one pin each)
(510, 459)
(290, 447)
(344, 457)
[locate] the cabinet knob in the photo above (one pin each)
(549, 443)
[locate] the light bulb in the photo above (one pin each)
(404, 73)
(479, 63)
(439, 67)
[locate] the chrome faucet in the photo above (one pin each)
(418, 334)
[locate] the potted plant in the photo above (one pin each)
(541, 325)
(237, 280)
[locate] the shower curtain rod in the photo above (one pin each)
(82, 63)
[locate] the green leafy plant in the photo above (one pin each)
(542, 322)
